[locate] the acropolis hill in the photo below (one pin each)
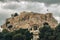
(27, 20)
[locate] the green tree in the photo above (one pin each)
(25, 32)
(57, 32)
(19, 37)
(46, 33)
(28, 35)
(21, 34)
(5, 31)
(16, 14)
(8, 36)
(1, 35)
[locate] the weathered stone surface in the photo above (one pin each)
(28, 19)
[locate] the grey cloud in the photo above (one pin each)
(4, 14)
(31, 6)
(44, 1)
(11, 6)
(8, 0)
(48, 1)
(3, 17)
(2, 0)
(56, 14)
(27, 6)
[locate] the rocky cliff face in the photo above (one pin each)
(29, 19)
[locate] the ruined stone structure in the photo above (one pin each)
(28, 20)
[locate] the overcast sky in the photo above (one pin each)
(7, 7)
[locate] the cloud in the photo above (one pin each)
(8, 0)
(24, 5)
(32, 6)
(44, 1)
(57, 18)
(48, 1)
(4, 14)
(11, 5)
(55, 9)
(2, 0)
(7, 8)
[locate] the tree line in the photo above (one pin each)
(21, 34)
(46, 33)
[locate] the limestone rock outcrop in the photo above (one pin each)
(29, 19)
